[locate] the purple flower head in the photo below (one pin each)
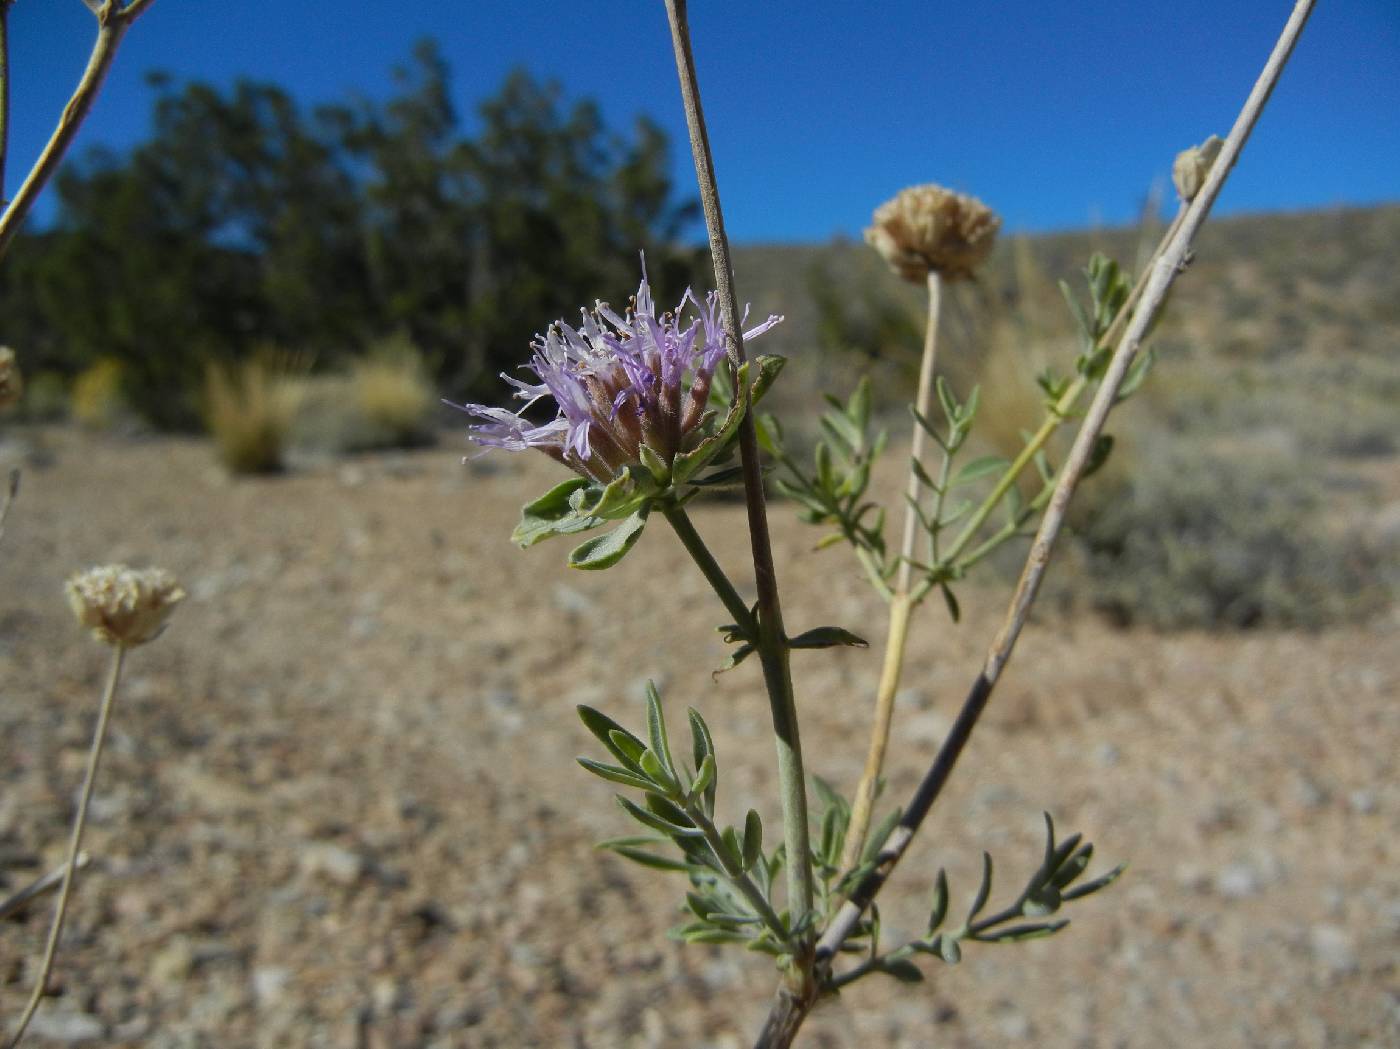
(617, 381)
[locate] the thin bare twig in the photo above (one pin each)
(113, 20)
(38, 888)
(99, 736)
(1168, 266)
(4, 92)
(772, 641)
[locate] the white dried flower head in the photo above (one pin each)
(124, 606)
(11, 383)
(931, 228)
(1193, 165)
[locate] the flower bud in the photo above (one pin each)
(11, 383)
(931, 228)
(1193, 165)
(124, 606)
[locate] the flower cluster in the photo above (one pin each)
(931, 228)
(124, 606)
(618, 382)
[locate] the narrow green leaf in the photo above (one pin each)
(1042, 901)
(715, 936)
(1029, 931)
(827, 637)
(616, 774)
(656, 731)
(979, 468)
(949, 403)
(1073, 867)
(879, 833)
(954, 609)
(1102, 882)
(648, 859)
(1098, 455)
(630, 748)
(984, 890)
(734, 849)
(858, 407)
(602, 727)
(1080, 317)
(651, 765)
(940, 901)
(925, 478)
(702, 746)
(753, 839)
(902, 970)
(1137, 374)
(655, 822)
(928, 427)
(704, 777)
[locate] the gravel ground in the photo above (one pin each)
(339, 806)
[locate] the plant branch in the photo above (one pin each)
(902, 603)
(1056, 418)
(113, 20)
(1168, 265)
(772, 641)
(99, 737)
(4, 92)
(736, 875)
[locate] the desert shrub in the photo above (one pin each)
(394, 397)
(1200, 539)
(96, 400)
(249, 409)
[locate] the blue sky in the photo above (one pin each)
(1058, 115)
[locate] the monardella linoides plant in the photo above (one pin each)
(644, 423)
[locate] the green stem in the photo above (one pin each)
(685, 531)
(99, 736)
(772, 641)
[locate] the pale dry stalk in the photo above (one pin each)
(902, 602)
(113, 20)
(99, 737)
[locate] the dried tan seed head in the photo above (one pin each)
(11, 383)
(124, 606)
(931, 228)
(1193, 165)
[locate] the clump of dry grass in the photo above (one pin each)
(249, 409)
(96, 400)
(394, 397)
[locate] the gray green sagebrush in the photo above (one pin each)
(732, 899)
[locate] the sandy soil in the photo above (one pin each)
(340, 806)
